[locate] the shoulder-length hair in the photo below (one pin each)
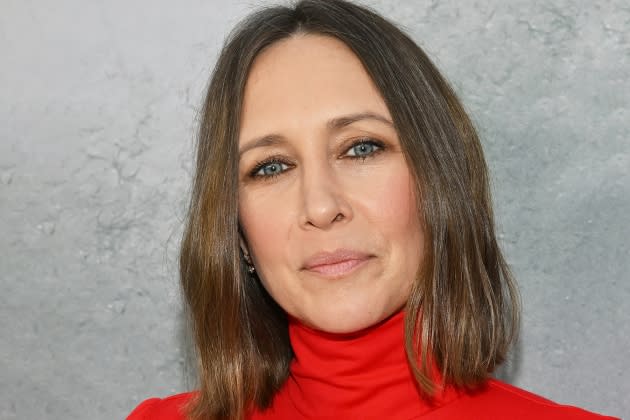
(462, 314)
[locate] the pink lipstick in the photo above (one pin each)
(337, 263)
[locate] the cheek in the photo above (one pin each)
(265, 222)
(262, 222)
(391, 202)
(391, 209)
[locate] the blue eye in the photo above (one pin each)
(270, 169)
(364, 148)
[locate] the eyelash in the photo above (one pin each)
(380, 146)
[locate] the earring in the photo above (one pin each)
(250, 266)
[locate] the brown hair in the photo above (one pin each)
(462, 313)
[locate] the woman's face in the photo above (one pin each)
(326, 200)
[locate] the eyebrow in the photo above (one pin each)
(332, 125)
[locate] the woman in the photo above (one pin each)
(339, 259)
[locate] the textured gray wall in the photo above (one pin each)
(97, 109)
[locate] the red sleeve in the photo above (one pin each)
(171, 408)
(501, 400)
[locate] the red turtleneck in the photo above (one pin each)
(365, 375)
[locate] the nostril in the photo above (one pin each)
(338, 217)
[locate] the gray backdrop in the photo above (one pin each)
(98, 102)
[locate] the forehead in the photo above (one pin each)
(306, 79)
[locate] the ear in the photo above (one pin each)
(243, 244)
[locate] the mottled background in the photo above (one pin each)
(98, 105)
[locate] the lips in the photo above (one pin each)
(337, 263)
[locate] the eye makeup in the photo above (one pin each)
(360, 148)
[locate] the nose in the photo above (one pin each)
(324, 202)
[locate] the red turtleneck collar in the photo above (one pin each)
(357, 375)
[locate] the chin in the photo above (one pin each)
(346, 321)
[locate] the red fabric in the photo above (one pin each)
(366, 376)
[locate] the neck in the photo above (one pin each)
(337, 359)
(365, 372)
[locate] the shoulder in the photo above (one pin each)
(170, 408)
(498, 400)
